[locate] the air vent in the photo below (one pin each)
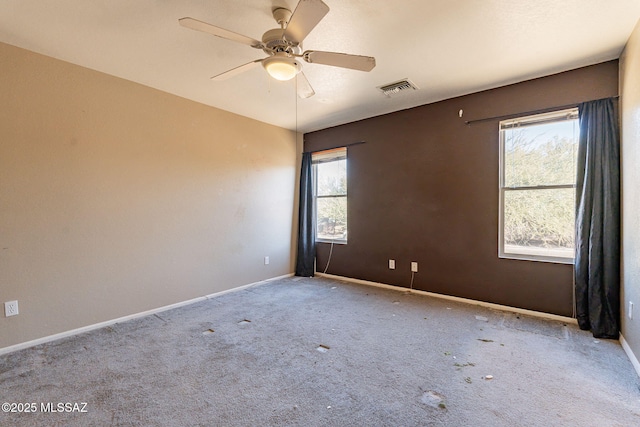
(397, 87)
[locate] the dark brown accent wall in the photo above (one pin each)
(424, 188)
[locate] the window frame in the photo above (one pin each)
(529, 120)
(327, 156)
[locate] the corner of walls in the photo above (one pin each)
(630, 181)
(630, 354)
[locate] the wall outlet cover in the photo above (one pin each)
(11, 308)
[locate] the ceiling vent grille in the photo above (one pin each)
(397, 87)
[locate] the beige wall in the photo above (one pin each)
(630, 152)
(116, 198)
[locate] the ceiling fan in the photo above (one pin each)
(284, 45)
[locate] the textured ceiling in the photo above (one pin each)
(446, 47)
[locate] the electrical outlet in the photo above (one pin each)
(266, 260)
(414, 267)
(10, 308)
(392, 264)
(630, 310)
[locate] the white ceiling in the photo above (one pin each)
(446, 47)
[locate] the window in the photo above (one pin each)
(330, 177)
(538, 157)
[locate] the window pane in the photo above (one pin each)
(332, 178)
(544, 154)
(539, 222)
(332, 218)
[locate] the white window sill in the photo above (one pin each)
(528, 253)
(335, 242)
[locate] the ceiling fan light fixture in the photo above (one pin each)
(284, 45)
(281, 68)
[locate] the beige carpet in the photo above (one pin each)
(318, 352)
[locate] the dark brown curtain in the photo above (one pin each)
(305, 263)
(597, 257)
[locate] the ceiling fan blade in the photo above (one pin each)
(194, 24)
(304, 19)
(235, 71)
(344, 60)
(303, 88)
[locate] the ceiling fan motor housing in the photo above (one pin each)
(275, 42)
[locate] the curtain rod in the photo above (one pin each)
(542, 110)
(337, 146)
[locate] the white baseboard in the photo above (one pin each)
(32, 343)
(500, 307)
(632, 357)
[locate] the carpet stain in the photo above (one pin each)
(433, 399)
(462, 365)
(544, 327)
